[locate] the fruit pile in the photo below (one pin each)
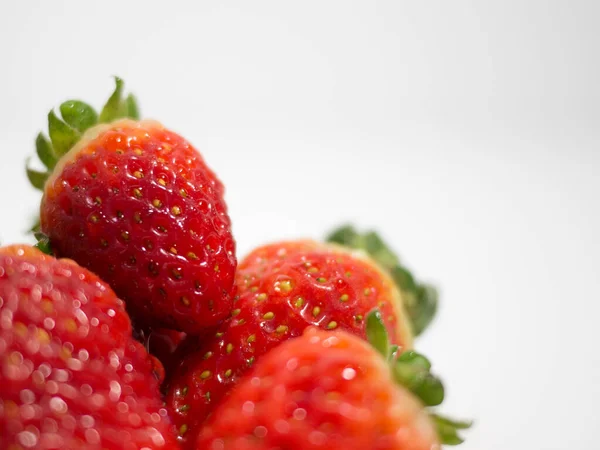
(131, 325)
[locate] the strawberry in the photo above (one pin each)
(71, 375)
(327, 390)
(282, 289)
(154, 364)
(135, 203)
(420, 299)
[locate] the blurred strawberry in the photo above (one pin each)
(71, 376)
(135, 203)
(327, 390)
(282, 289)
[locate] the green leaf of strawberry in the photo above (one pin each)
(117, 107)
(36, 178)
(413, 371)
(78, 115)
(35, 228)
(45, 151)
(43, 243)
(113, 107)
(377, 334)
(420, 299)
(448, 429)
(63, 137)
(132, 107)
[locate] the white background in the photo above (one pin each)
(467, 132)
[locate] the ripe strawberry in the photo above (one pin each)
(282, 289)
(136, 204)
(327, 390)
(71, 375)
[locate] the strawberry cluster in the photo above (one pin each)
(131, 325)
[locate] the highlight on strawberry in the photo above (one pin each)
(330, 389)
(135, 203)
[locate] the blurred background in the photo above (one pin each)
(467, 132)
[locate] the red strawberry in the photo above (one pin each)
(283, 288)
(326, 390)
(71, 376)
(135, 203)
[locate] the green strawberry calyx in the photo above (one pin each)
(43, 243)
(65, 131)
(412, 370)
(420, 299)
(75, 118)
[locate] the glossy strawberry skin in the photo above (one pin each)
(136, 204)
(282, 289)
(323, 390)
(71, 376)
